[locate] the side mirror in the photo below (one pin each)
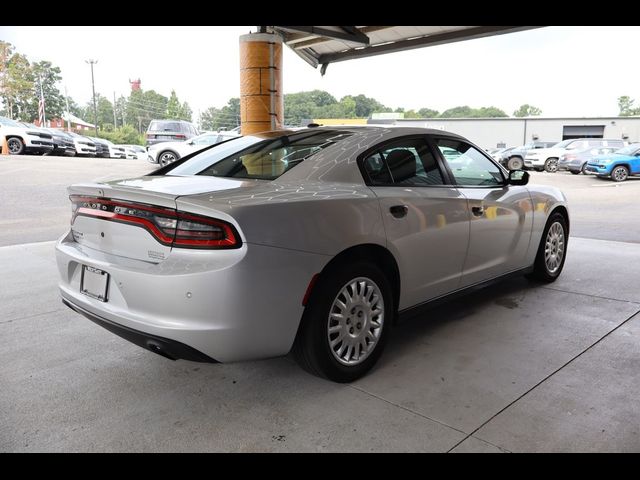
(518, 177)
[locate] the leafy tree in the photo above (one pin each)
(527, 110)
(411, 114)
(126, 135)
(625, 104)
(427, 113)
(173, 106)
(185, 112)
(489, 112)
(18, 89)
(46, 74)
(227, 117)
(6, 52)
(457, 112)
(144, 106)
(365, 106)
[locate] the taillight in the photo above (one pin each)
(180, 135)
(168, 226)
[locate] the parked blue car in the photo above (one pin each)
(618, 165)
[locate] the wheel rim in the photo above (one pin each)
(619, 174)
(516, 164)
(14, 145)
(167, 158)
(552, 165)
(554, 247)
(355, 321)
(584, 168)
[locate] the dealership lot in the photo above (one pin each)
(515, 367)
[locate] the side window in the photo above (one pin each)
(468, 165)
(404, 162)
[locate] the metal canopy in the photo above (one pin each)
(325, 45)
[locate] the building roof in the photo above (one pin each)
(70, 117)
(324, 45)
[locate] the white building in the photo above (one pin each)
(510, 132)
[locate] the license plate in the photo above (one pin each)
(94, 283)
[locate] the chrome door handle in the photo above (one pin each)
(399, 211)
(477, 211)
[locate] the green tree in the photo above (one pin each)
(173, 106)
(6, 52)
(527, 110)
(365, 106)
(225, 118)
(18, 88)
(185, 112)
(411, 114)
(144, 106)
(46, 74)
(625, 104)
(209, 118)
(126, 135)
(457, 112)
(489, 112)
(427, 113)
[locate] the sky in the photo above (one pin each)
(564, 71)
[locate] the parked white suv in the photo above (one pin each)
(22, 139)
(547, 158)
(168, 152)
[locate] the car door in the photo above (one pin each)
(501, 214)
(426, 221)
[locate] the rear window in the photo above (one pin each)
(263, 157)
(164, 126)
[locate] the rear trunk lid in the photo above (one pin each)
(128, 217)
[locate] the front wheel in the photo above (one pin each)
(551, 165)
(15, 145)
(166, 158)
(346, 323)
(575, 172)
(552, 250)
(515, 163)
(619, 173)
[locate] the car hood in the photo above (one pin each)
(547, 151)
(613, 156)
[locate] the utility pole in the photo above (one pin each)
(95, 109)
(66, 97)
(115, 122)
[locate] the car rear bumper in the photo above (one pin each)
(229, 305)
(162, 346)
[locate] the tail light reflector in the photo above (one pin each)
(168, 226)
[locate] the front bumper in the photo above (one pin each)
(599, 169)
(229, 305)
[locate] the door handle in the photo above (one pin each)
(477, 211)
(399, 211)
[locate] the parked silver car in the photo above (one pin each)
(312, 240)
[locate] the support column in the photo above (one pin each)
(261, 101)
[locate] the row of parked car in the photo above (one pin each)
(610, 158)
(23, 138)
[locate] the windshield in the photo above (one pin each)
(629, 150)
(9, 123)
(265, 156)
(562, 144)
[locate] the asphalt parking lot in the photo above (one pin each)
(515, 367)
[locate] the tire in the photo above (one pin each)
(575, 172)
(549, 271)
(515, 163)
(584, 169)
(16, 146)
(619, 173)
(312, 348)
(551, 165)
(167, 157)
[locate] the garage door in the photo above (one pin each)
(582, 131)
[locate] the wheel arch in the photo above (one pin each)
(377, 255)
(561, 209)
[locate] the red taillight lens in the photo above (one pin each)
(168, 226)
(179, 135)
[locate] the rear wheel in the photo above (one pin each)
(552, 250)
(15, 145)
(619, 173)
(166, 158)
(515, 163)
(575, 172)
(551, 165)
(346, 323)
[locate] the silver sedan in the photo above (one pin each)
(313, 241)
